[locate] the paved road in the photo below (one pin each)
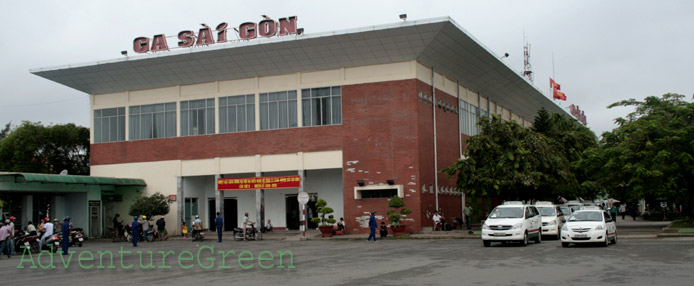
(389, 262)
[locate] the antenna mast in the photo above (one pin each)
(527, 68)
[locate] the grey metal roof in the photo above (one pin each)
(439, 43)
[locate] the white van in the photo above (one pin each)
(508, 223)
(552, 218)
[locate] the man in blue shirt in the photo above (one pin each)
(135, 227)
(219, 223)
(373, 224)
(66, 234)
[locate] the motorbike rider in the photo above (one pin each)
(11, 238)
(117, 227)
(48, 228)
(145, 224)
(197, 225)
(247, 224)
(66, 234)
(31, 229)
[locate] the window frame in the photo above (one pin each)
(359, 189)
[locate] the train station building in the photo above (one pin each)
(359, 115)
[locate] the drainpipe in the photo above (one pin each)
(433, 109)
(460, 150)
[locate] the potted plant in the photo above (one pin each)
(324, 224)
(395, 215)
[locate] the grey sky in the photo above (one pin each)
(604, 51)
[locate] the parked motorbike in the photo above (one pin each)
(77, 237)
(52, 243)
(28, 240)
(127, 230)
(150, 235)
(198, 236)
(250, 233)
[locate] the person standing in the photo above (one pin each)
(623, 210)
(613, 212)
(161, 228)
(5, 239)
(66, 234)
(468, 216)
(437, 220)
(12, 235)
(117, 228)
(219, 223)
(373, 225)
(135, 226)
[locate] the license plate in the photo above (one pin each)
(81, 239)
(499, 234)
(581, 235)
(26, 243)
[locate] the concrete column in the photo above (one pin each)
(27, 209)
(218, 196)
(259, 197)
(180, 203)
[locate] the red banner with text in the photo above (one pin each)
(267, 183)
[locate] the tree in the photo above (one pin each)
(156, 204)
(650, 154)
(323, 209)
(5, 131)
(510, 161)
(395, 215)
(35, 148)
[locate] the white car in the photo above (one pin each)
(512, 223)
(589, 226)
(552, 219)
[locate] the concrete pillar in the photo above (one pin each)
(218, 197)
(180, 203)
(259, 197)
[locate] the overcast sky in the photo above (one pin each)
(604, 51)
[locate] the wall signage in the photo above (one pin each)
(267, 183)
(206, 36)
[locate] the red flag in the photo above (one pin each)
(559, 95)
(553, 84)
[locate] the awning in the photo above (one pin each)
(68, 179)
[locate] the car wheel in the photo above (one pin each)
(524, 242)
(614, 240)
(487, 243)
(564, 244)
(607, 241)
(538, 239)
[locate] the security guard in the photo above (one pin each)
(135, 226)
(66, 234)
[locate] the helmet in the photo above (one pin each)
(135, 217)
(246, 214)
(144, 217)
(197, 216)
(67, 218)
(12, 218)
(46, 219)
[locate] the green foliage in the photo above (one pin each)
(156, 204)
(323, 209)
(512, 162)
(6, 130)
(35, 148)
(395, 215)
(650, 154)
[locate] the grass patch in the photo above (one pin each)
(683, 223)
(686, 230)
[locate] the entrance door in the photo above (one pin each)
(230, 214)
(191, 209)
(212, 214)
(94, 218)
(293, 212)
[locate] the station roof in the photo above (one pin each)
(68, 179)
(439, 43)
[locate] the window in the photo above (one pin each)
(109, 125)
(237, 113)
(321, 106)
(197, 117)
(278, 110)
(382, 193)
(474, 117)
(378, 191)
(153, 121)
(465, 117)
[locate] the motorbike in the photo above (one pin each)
(127, 230)
(150, 235)
(52, 243)
(28, 240)
(250, 233)
(77, 237)
(198, 235)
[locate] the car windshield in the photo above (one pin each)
(545, 211)
(506, 213)
(586, 216)
(566, 210)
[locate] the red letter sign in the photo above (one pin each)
(288, 26)
(141, 45)
(187, 39)
(267, 28)
(221, 32)
(205, 37)
(247, 31)
(159, 43)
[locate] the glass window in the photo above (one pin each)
(237, 113)
(321, 106)
(109, 125)
(197, 117)
(277, 110)
(465, 117)
(474, 117)
(378, 193)
(153, 121)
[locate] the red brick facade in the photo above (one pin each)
(386, 133)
